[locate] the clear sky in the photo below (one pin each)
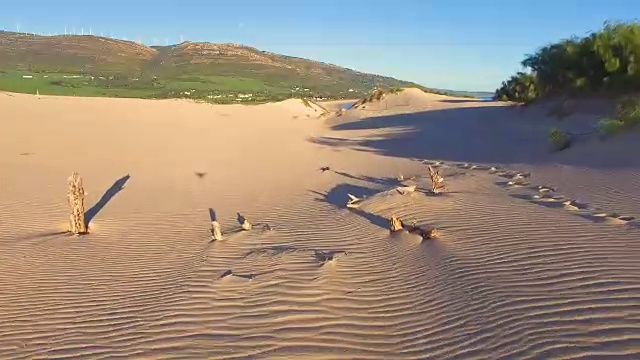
(454, 44)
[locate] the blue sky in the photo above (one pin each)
(460, 45)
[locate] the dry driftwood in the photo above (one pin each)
(216, 233)
(406, 189)
(424, 232)
(246, 225)
(401, 178)
(437, 181)
(395, 224)
(353, 201)
(76, 195)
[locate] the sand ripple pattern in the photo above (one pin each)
(507, 278)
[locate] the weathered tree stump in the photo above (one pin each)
(437, 181)
(76, 195)
(396, 224)
(216, 233)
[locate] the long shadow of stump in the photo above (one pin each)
(338, 197)
(104, 200)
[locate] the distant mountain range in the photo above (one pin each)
(99, 66)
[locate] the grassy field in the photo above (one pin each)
(208, 88)
(67, 84)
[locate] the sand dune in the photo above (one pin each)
(544, 267)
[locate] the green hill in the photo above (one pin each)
(99, 66)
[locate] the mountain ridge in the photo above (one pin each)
(203, 70)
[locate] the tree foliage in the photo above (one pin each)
(520, 88)
(604, 61)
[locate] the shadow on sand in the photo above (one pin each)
(488, 134)
(212, 215)
(104, 200)
(459, 101)
(338, 197)
(384, 181)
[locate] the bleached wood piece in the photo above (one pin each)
(246, 225)
(406, 189)
(353, 201)
(216, 233)
(396, 224)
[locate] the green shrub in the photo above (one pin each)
(629, 111)
(627, 116)
(609, 127)
(559, 140)
(604, 61)
(519, 88)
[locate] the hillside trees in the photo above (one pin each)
(606, 61)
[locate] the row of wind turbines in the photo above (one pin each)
(74, 31)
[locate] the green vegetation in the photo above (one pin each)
(609, 127)
(629, 111)
(627, 116)
(519, 88)
(604, 62)
(559, 140)
(220, 73)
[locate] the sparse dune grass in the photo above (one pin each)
(306, 102)
(627, 117)
(559, 140)
(561, 110)
(609, 127)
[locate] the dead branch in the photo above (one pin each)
(396, 224)
(437, 181)
(424, 232)
(402, 190)
(353, 201)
